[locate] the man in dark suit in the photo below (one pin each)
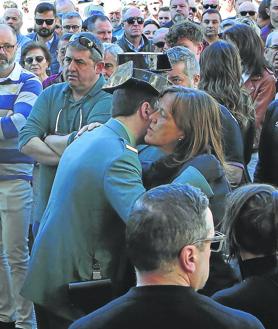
(169, 236)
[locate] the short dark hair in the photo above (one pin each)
(151, 21)
(262, 9)
(44, 7)
(163, 221)
(251, 220)
(186, 29)
(35, 45)
(91, 21)
(212, 11)
(126, 100)
(164, 8)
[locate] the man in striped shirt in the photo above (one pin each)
(18, 92)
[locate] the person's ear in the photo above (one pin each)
(200, 47)
(99, 67)
(188, 259)
(196, 80)
(145, 110)
(267, 10)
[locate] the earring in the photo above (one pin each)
(180, 139)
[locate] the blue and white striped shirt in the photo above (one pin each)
(18, 93)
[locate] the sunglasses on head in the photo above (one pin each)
(193, 9)
(251, 13)
(160, 44)
(132, 20)
(89, 44)
(40, 21)
(29, 60)
(210, 6)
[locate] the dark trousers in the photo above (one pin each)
(49, 320)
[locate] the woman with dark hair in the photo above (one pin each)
(257, 78)
(251, 226)
(150, 26)
(221, 78)
(36, 58)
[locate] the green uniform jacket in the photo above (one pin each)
(97, 182)
(45, 118)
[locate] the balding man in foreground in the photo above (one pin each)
(170, 236)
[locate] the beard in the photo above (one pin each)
(6, 63)
(43, 32)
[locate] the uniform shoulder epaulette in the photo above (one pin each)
(133, 149)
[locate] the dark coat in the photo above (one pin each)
(166, 307)
(148, 46)
(258, 293)
(267, 166)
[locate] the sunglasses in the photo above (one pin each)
(160, 44)
(85, 42)
(216, 241)
(251, 13)
(132, 20)
(68, 27)
(40, 21)
(193, 9)
(210, 6)
(29, 60)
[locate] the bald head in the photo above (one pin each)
(13, 17)
(133, 12)
(7, 34)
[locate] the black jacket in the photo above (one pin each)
(257, 293)
(148, 46)
(267, 166)
(166, 307)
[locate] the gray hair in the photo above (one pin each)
(182, 54)
(71, 14)
(112, 49)
(163, 221)
(269, 38)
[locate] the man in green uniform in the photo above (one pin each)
(62, 109)
(97, 182)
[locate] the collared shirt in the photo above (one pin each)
(135, 49)
(18, 93)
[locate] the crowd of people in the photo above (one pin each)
(139, 156)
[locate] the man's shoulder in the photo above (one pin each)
(229, 317)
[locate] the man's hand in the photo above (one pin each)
(89, 127)
(57, 143)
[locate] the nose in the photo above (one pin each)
(44, 24)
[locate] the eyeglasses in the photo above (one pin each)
(216, 241)
(85, 42)
(251, 13)
(160, 44)
(73, 27)
(210, 6)
(7, 47)
(29, 60)
(40, 21)
(193, 9)
(132, 20)
(274, 47)
(58, 27)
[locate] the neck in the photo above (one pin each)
(211, 39)
(160, 278)
(43, 76)
(44, 39)
(135, 40)
(7, 72)
(77, 94)
(133, 124)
